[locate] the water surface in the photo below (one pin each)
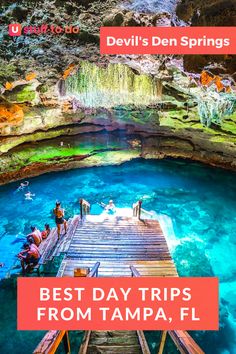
(195, 204)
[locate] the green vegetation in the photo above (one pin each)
(113, 86)
(94, 148)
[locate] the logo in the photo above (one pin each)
(14, 29)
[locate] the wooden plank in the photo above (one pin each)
(114, 349)
(143, 343)
(163, 341)
(84, 345)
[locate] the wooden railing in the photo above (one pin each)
(151, 214)
(94, 271)
(84, 208)
(183, 341)
(52, 339)
(137, 209)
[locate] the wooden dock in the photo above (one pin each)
(119, 246)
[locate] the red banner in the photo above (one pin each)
(118, 303)
(168, 40)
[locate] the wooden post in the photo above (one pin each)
(81, 208)
(139, 209)
(163, 341)
(66, 342)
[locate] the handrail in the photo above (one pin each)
(146, 212)
(135, 272)
(51, 341)
(183, 341)
(84, 207)
(137, 209)
(94, 270)
(85, 341)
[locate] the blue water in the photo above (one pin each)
(195, 204)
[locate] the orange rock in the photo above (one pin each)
(218, 83)
(11, 114)
(68, 71)
(9, 85)
(30, 76)
(67, 107)
(206, 78)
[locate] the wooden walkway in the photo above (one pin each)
(124, 247)
(117, 244)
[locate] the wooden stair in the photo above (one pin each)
(52, 247)
(115, 342)
(116, 243)
(62, 245)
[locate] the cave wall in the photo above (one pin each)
(51, 91)
(208, 13)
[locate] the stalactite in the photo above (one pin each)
(214, 106)
(113, 86)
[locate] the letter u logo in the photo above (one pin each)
(14, 29)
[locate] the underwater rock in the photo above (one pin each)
(199, 266)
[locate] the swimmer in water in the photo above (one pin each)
(110, 208)
(22, 186)
(29, 195)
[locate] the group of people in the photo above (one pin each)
(30, 255)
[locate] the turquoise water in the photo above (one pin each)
(195, 204)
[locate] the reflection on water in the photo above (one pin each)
(196, 205)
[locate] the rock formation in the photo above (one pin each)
(55, 90)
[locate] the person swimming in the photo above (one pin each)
(110, 208)
(29, 195)
(22, 186)
(59, 218)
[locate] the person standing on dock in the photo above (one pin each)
(59, 218)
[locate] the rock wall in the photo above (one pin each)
(208, 13)
(56, 94)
